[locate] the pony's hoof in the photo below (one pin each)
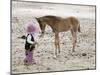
(73, 50)
(41, 36)
(34, 62)
(55, 56)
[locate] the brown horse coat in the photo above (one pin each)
(59, 24)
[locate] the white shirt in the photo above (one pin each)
(29, 39)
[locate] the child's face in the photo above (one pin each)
(31, 33)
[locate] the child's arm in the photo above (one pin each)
(29, 40)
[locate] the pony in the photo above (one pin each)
(59, 24)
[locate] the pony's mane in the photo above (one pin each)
(52, 17)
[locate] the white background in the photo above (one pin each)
(5, 37)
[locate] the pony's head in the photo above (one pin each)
(41, 24)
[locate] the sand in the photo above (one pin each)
(82, 59)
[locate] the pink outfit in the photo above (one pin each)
(29, 57)
(31, 29)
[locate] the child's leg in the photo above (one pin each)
(29, 56)
(28, 59)
(31, 59)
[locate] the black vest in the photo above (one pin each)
(29, 46)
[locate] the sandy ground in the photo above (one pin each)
(82, 59)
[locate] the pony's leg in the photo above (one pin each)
(56, 43)
(74, 39)
(57, 46)
(74, 43)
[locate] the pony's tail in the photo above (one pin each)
(79, 30)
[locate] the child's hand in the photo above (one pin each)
(35, 43)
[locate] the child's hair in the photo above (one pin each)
(31, 28)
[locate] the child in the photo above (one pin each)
(30, 44)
